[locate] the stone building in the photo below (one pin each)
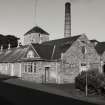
(55, 61)
(35, 35)
(100, 48)
(50, 61)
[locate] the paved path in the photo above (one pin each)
(53, 90)
(25, 96)
(20, 95)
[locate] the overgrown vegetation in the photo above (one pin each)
(95, 82)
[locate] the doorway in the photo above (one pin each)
(104, 68)
(47, 74)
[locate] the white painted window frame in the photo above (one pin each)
(28, 66)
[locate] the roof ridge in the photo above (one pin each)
(61, 38)
(37, 29)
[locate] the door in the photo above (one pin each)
(47, 74)
(104, 68)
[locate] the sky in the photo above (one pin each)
(19, 16)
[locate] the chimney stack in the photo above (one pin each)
(67, 26)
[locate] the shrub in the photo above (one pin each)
(95, 81)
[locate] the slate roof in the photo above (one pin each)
(37, 29)
(13, 54)
(56, 47)
(100, 47)
(44, 50)
(94, 40)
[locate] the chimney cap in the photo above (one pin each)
(67, 3)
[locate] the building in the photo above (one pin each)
(50, 61)
(55, 61)
(36, 35)
(100, 47)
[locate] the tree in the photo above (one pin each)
(95, 81)
(8, 39)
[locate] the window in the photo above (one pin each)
(30, 67)
(30, 54)
(34, 66)
(84, 50)
(25, 67)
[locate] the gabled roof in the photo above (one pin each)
(55, 47)
(50, 50)
(44, 51)
(100, 47)
(37, 29)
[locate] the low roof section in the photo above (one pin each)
(12, 54)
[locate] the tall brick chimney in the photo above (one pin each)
(67, 26)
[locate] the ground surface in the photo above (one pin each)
(14, 91)
(77, 94)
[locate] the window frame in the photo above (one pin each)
(30, 67)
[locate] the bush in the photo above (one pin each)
(95, 81)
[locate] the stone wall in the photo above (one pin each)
(103, 57)
(35, 38)
(39, 75)
(3, 68)
(17, 69)
(102, 60)
(74, 57)
(69, 72)
(9, 68)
